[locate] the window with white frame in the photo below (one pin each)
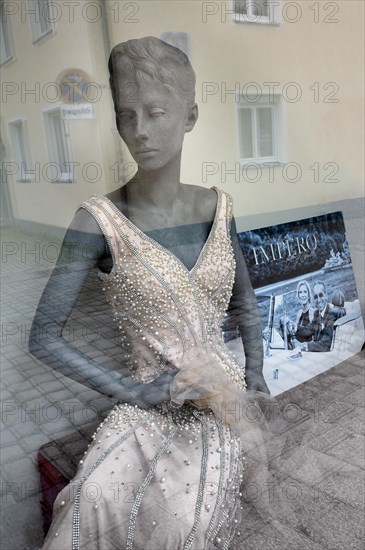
(261, 129)
(40, 16)
(20, 151)
(7, 47)
(59, 168)
(257, 11)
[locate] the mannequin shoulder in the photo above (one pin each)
(85, 230)
(204, 200)
(115, 197)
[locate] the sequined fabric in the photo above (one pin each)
(159, 479)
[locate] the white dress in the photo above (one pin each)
(159, 479)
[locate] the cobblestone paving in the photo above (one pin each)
(40, 405)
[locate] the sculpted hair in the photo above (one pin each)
(149, 58)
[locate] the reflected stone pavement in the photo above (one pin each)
(40, 405)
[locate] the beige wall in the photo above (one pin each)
(225, 53)
(305, 52)
(73, 45)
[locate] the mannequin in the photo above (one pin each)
(158, 203)
(171, 266)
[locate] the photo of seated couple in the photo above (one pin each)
(314, 326)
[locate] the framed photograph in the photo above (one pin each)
(303, 279)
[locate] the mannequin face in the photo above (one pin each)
(152, 121)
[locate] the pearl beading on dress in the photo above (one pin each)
(186, 300)
(164, 312)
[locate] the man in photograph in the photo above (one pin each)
(322, 327)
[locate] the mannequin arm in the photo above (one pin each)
(243, 312)
(59, 298)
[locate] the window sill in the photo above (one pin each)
(63, 179)
(259, 21)
(43, 38)
(261, 162)
(8, 61)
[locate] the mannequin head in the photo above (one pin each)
(153, 92)
(139, 61)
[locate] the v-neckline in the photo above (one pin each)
(155, 243)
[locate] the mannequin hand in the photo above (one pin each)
(156, 392)
(256, 381)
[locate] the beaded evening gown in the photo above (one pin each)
(159, 479)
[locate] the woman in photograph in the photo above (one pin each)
(165, 468)
(305, 314)
(300, 330)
